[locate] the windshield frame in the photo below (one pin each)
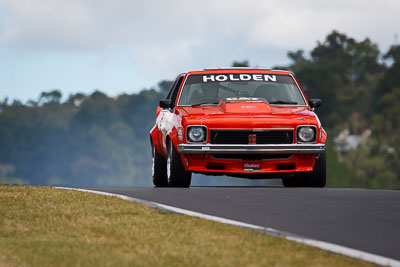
(284, 105)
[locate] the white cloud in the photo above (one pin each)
(300, 24)
(93, 23)
(171, 36)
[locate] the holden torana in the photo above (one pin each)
(241, 122)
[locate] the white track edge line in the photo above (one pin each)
(338, 249)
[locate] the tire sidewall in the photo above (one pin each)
(177, 176)
(158, 172)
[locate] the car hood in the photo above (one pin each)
(246, 109)
(248, 114)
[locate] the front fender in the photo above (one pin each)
(173, 136)
(167, 123)
(323, 136)
(154, 140)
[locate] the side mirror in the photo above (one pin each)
(165, 103)
(315, 103)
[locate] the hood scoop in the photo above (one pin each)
(245, 105)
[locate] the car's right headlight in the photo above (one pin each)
(306, 133)
(196, 134)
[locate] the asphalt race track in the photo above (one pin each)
(367, 220)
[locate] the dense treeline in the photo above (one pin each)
(360, 89)
(100, 140)
(87, 140)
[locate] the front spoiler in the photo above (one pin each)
(251, 149)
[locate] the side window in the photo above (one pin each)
(173, 91)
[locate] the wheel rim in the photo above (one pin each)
(169, 160)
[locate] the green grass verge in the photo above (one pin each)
(43, 226)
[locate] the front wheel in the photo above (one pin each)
(158, 168)
(317, 178)
(177, 176)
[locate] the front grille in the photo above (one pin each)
(242, 136)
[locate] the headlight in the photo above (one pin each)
(306, 133)
(196, 134)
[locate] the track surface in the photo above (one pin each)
(367, 220)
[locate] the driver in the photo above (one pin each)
(207, 94)
(210, 90)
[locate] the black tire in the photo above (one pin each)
(296, 181)
(317, 178)
(177, 176)
(158, 168)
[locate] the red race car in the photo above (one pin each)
(249, 123)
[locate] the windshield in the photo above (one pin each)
(208, 89)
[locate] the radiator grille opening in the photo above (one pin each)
(256, 137)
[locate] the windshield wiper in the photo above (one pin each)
(282, 102)
(204, 103)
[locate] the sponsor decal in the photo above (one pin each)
(239, 77)
(252, 166)
(247, 107)
(245, 99)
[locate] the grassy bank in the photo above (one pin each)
(43, 226)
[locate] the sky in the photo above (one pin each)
(123, 46)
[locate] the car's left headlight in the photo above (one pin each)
(196, 134)
(306, 133)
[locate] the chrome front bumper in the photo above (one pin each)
(251, 149)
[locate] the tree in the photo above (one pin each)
(51, 96)
(164, 86)
(240, 64)
(341, 71)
